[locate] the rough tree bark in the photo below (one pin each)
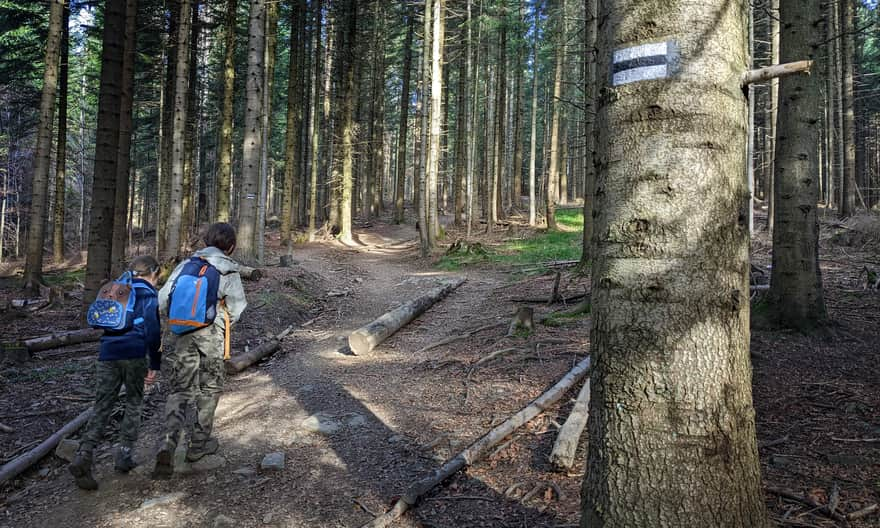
(552, 179)
(348, 54)
(772, 115)
(294, 120)
(123, 163)
(847, 188)
(672, 425)
(316, 127)
(33, 268)
(795, 299)
(253, 137)
(590, 98)
(106, 151)
(61, 147)
(433, 169)
(178, 129)
(533, 140)
(224, 166)
(400, 190)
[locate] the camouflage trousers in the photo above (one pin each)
(109, 377)
(196, 374)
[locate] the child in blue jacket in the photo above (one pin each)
(127, 358)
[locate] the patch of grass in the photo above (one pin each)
(564, 244)
(66, 278)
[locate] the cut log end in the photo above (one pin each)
(359, 343)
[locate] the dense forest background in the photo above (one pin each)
(304, 115)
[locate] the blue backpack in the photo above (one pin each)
(113, 308)
(193, 298)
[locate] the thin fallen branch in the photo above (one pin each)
(804, 499)
(16, 466)
(60, 339)
(771, 443)
(866, 440)
(547, 300)
(479, 448)
(6, 429)
(864, 512)
(368, 337)
(453, 339)
(565, 447)
(240, 362)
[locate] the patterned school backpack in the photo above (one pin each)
(113, 308)
(193, 302)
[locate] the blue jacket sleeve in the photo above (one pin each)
(153, 331)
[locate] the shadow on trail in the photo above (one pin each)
(383, 463)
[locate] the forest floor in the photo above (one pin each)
(391, 417)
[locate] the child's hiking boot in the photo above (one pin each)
(81, 469)
(164, 464)
(124, 461)
(199, 451)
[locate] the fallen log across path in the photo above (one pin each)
(17, 465)
(60, 339)
(565, 447)
(368, 337)
(239, 362)
(479, 448)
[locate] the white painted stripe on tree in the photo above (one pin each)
(645, 73)
(645, 50)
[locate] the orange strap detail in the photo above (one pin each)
(226, 336)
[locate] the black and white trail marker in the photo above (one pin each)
(647, 62)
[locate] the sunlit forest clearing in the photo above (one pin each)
(439, 263)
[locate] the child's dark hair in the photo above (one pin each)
(144, 265)
(220, 235)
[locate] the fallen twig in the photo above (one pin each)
(6, 429)
(771, 443)
(804, 499)
(453, 339)
(864, 512)
(866, 440)
(479, 448)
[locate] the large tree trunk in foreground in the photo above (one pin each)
(368, 337)
(795, 297)
(106, 151)
(672, 426)
(33, 268)
(61, 156)
(253, 137)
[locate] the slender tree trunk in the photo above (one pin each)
(473, 71)
(461, 149)
(498, 175)
(434, 154)
(672, 425)
(190, 180)
(294, 121)
(266, 125)
(61, 148)
(424, 201)
(555, 129)
(847, 204)
(316, 127)
(348, 66)
(400, 190)
(591, 98)
(106, 151)
(795, 297)
(165, 131)
(253, 137)
(517, 189)
(123, 165)
(38, 216)
(533, 140)
(771, 117)
(224, 168)
(377, 141)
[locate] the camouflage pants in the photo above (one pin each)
(196, 374)
(109, 377)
